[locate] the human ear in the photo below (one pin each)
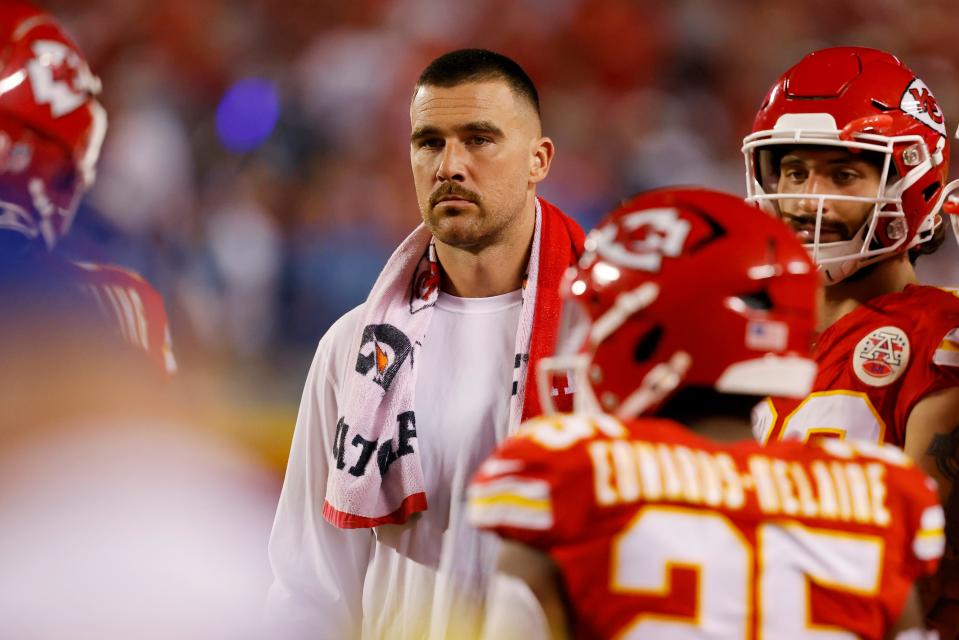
(541, 157)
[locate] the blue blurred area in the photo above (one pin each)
(247, 114)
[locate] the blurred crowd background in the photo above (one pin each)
(256, 166)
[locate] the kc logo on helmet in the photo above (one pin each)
(918, 102)
(641, 239)
(881, 357)
(60, 78)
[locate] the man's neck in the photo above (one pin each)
(887, 276)
(721, 428)
(493, 270)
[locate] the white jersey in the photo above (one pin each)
(426, 578)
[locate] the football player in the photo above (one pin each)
(51, 130)
(687, 307)
(850, 149)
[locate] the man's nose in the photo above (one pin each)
(453, 163)
(813, 188)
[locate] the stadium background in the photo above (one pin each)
(256, 166)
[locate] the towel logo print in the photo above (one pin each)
(383, 350)
(386, 455)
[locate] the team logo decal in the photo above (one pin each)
(383, 350)
(918, 102)
(60, 78)
(641, 239)
(881, 357)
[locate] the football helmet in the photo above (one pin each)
(51, 124)
(863, 100)
(684, 287)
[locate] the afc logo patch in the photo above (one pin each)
(383, 351)
(881, 357)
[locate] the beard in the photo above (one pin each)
(798, 221)
(462, 227)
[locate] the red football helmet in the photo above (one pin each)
(685, 287)
(51, 125)
(863, 100)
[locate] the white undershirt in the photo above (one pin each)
(426, 578)
(463, 387)
(463, 383)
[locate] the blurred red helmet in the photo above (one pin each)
(685, 288)
(862, 100)
(51, 125)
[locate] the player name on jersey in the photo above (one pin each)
(846, 491)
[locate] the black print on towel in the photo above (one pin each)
(386, 455)
(383, 350)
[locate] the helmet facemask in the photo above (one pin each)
(40, 185)
(580, 336)
(885, 229)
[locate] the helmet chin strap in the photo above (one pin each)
(836, 273)
(661, 381)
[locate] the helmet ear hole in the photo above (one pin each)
(647, 344)
(931, 191)
(758, 300)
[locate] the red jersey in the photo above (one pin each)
(875, 364)
(132, 305)
(659, 533)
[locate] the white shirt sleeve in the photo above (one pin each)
(318, 569)
(513, 612)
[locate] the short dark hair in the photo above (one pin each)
(476, 65)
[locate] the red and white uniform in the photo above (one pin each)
(129, 303)
(875, 364)
(659, 533)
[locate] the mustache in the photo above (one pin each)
(452, 189)
(802, 220)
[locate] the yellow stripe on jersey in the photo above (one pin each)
(511, 502)
(947, 353)
(930, 540)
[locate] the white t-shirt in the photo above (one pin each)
(426, 578)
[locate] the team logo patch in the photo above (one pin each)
(918, 102)
(382, 352)
(881, 357)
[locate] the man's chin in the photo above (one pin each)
(456, 231)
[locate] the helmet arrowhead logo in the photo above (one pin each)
(918, 102)
(60, 78)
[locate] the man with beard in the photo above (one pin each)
(850, 149)
(409, 392)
